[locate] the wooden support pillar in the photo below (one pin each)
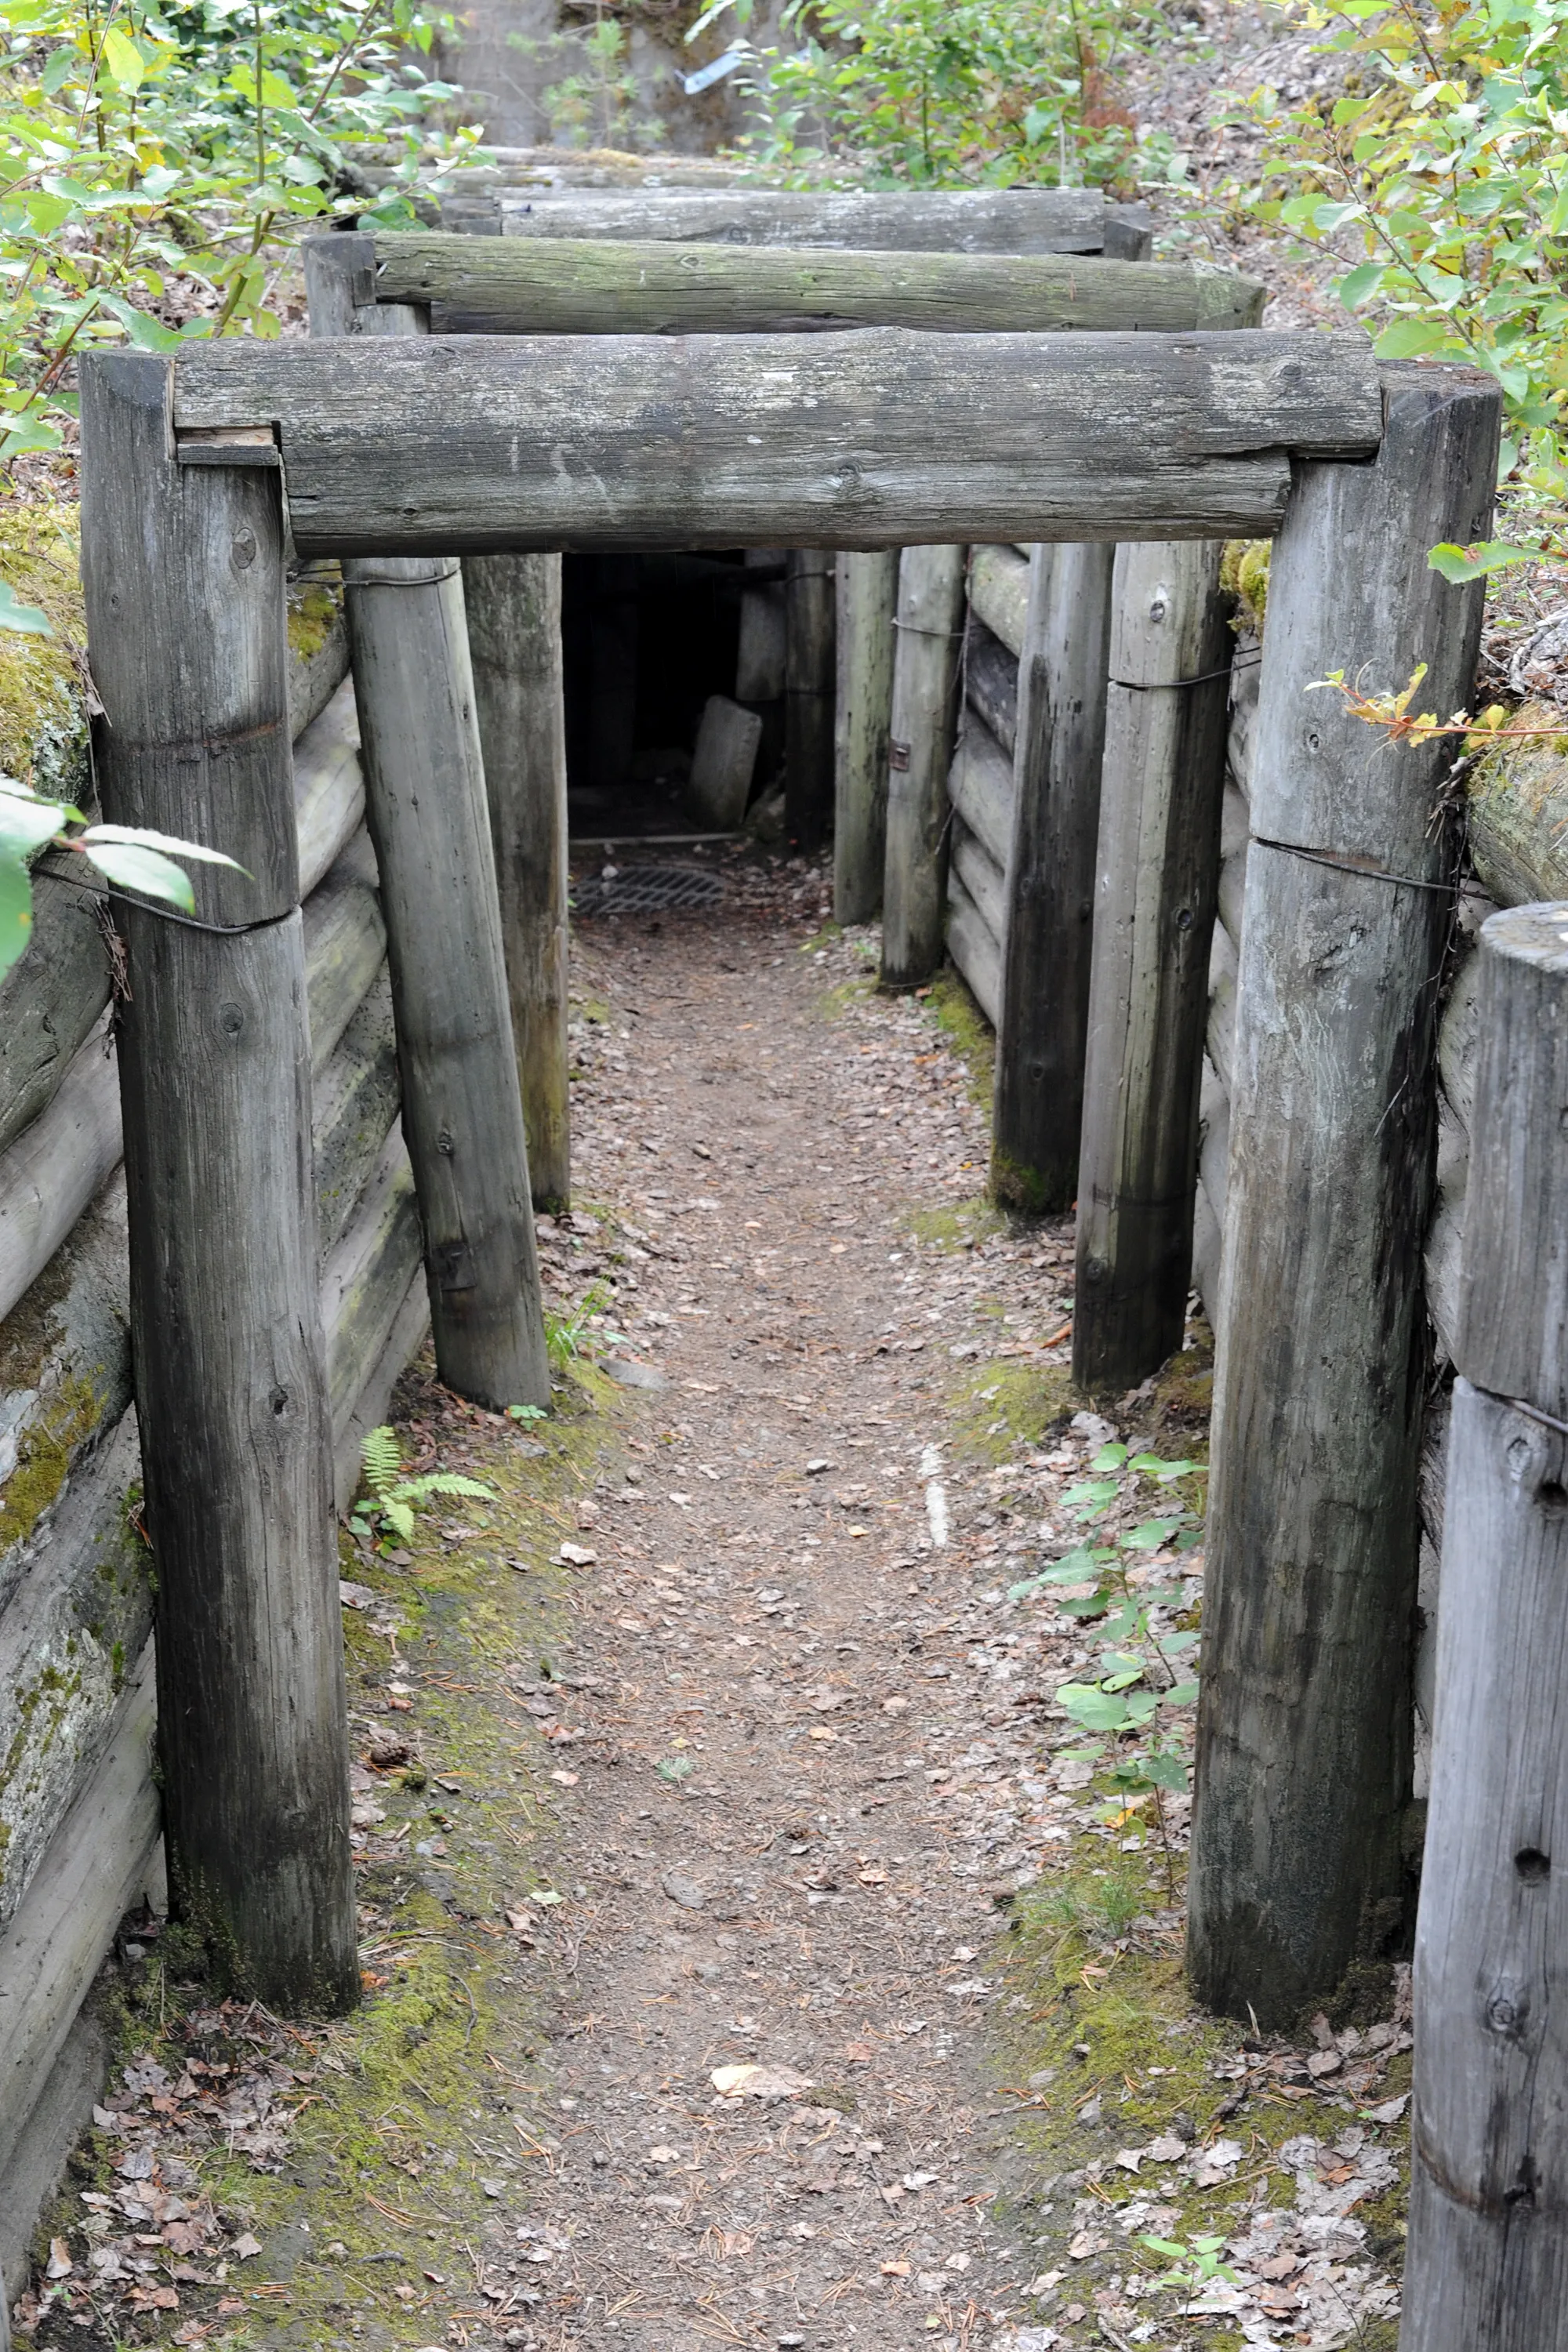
(1156, 888)
(808, 696)
(1049, 935)
(183, 569)
(926, 666)
(1298, 1882)
(1487, 2266)
(514, 639)
(868, 597)
(428, 818)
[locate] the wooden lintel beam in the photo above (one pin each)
(874, 438)
(520, 285)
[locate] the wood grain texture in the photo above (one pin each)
(49, 1000)
(365, 1278)
(991, 682)
(968, 220)
(1489, 2206)
(56, 1165)
(973, 947)
(355, 1103)
(999, 592)
(1156, 884)
(980, 785)
(509, 442)
(1519, 815)
(184, 570)
(513, 606)
(462, 1112)
(866, 601)
(517, 285)
(1303, 1760)
(1050, 863)
(810, 651)
(96, 1868)
(920, 752)
(329, 787)
(345, 945)
(981, 877)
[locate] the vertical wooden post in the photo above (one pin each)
(1304, 1720)
(1487, 2269)
(1046, 950)
(926, 668)
(428, 818)
(514, 639)
(183, 569)
(1156, 887)
(868, 596)
(808, 696)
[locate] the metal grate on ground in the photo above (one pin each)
(648, 890)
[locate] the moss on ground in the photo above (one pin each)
(961, 1022)
(312, 614)
(430, 2088)
(43, 706)
(997, 1407)
(955, 1224)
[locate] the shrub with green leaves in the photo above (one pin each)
(947, 93)
(1141, 1671)
(144, 141)
(1447, 154)
(130, 857)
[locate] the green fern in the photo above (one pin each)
(392, 1496)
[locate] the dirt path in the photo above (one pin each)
(771, 1609)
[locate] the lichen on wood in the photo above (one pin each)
(43, 701)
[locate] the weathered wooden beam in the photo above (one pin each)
(485, 444)
(429, 818)
(868, 597)
(514, 286)
(56, 1165)
(1037, 1121)
(809, 656)
(991, 682)
(973, 947)
(329, 787)
(1304, 1721)
(513, 604)
(999, 592)
(462, 1112)
(183, 572)
(1486, 2269)
(1156, 884)
(966, 220)
(982, 877)
(920, 751)
(980, 785)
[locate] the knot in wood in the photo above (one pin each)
(242, 550)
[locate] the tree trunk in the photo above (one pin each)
(1297, 1887)
(920, 752)
(183, 568)
(513, 604)
(1049, 934)
(1156, 885)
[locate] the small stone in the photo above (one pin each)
(683, 1890)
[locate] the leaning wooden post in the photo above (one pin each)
(868, 597)
(808, 696)
(1298, 1878)
(183, 569)
(1486, 2269)
(929, 629)
(428, 818)
(1040, 1038)
(1156, 887)
(514, 639)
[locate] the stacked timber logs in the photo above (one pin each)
(80, 1815)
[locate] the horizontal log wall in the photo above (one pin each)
(980, 786)
(973, 220)
(77, 1806)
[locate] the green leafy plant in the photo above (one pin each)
(1446, 157)
(158, 156)
(1195, 2265)
(127, 856)
(566, 1335)
(390, 1504)
(948, 92)
(1141, 1672)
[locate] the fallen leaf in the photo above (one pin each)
(896, 2270)
(1324, 2062)
(59, 2263)
(566, 1779)
(245, 2247)
(759, 2081)
(1167, 2149)
(573, 1555)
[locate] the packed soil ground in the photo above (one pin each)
(755, 1953)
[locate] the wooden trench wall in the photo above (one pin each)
(79, 1814)
(1288, 1163)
